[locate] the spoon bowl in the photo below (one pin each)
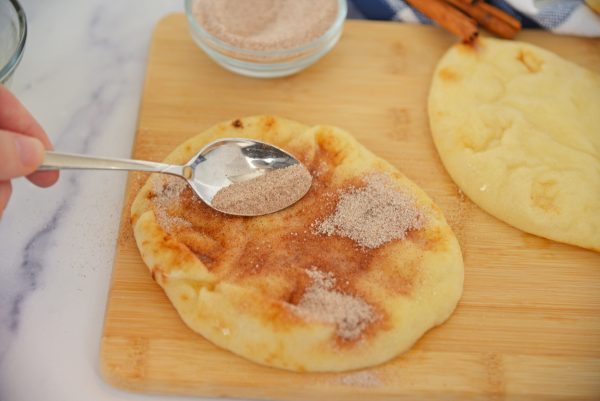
(216, 166)
(232, 160)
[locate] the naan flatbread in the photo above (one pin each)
(245, 283)
(518, 129)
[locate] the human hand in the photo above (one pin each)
(22, 145)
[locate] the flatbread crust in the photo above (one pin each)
(518, 129)
(235, 280)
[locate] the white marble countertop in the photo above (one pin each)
(81, 76)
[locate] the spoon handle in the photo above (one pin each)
(57, 161)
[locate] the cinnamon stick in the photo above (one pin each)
(489, 17)
(449, 18)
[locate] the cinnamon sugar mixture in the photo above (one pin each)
(363, 378)
(321, 302)
(167, 191)
(266, 24)
(372, 215)
(273, 191)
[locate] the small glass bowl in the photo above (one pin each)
(13, 33)
(266, 63)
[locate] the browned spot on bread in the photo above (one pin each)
(268, 122)
(275, 355)
(237, 123)
(203, 245)
(184, 297)
(158, 274)
(430, 239)
(543, 195)
(531, 62)
(402, 280)
(329, 150)
(207, 260)
(180, 253)
(448, 75)
(297, 291)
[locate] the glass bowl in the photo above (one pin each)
(266, 63)
(13, 32)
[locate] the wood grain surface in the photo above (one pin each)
(528, 325)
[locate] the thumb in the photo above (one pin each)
(20, 155)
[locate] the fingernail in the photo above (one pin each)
(31, 150)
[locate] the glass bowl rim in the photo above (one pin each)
(14, 59)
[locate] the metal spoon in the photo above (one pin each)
(216, 166)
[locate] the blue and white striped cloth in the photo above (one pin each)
(572, 17)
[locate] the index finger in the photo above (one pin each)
(15, 117)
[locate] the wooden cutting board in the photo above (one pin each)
(528, 325)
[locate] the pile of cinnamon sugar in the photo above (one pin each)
(372, 215)
(323, 303)
(268, 193)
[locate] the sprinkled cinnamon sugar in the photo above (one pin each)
(363, 378)
(321, 302)
(167, 191)
(372, 215)
(273, 191)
